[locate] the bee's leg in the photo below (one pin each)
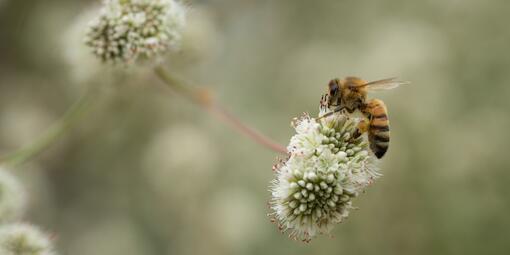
(363, 125)
(362, 128)
(337, 109)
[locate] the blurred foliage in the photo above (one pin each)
(147, 172)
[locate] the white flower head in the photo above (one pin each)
(131, 30)
(12, 197)
(23, 239)
(84, 67)
(328, 165)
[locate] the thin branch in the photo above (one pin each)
(203, 99)
(65, 123)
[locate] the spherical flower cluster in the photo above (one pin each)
(127, 30)
(12, 198)
(328, 165)
(24, 239)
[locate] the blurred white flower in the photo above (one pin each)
(83, 66)
(181, 152)
(24, 239)
(231, 212)
(127, 30)
(327, 166)
(12, 197)
(200, 38)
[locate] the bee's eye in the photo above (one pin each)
(333, 87)
(333, 91)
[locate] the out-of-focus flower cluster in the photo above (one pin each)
(328, 165)
(18, 238)
(12, 198)
(127, 30)
(23, 239)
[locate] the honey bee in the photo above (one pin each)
(350, 94)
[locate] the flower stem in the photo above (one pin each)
(64, 124)
(203, 98)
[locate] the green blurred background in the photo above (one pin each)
(148, 172)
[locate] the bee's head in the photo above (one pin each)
(334, 88)
(334, 92)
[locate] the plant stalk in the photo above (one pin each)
(203, 98)
(58, 129)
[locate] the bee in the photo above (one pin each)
(350, 95)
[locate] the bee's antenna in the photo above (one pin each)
(329, 113)
(324, 104)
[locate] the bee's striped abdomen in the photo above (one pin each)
(379, 127)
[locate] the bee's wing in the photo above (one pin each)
(384, 84)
